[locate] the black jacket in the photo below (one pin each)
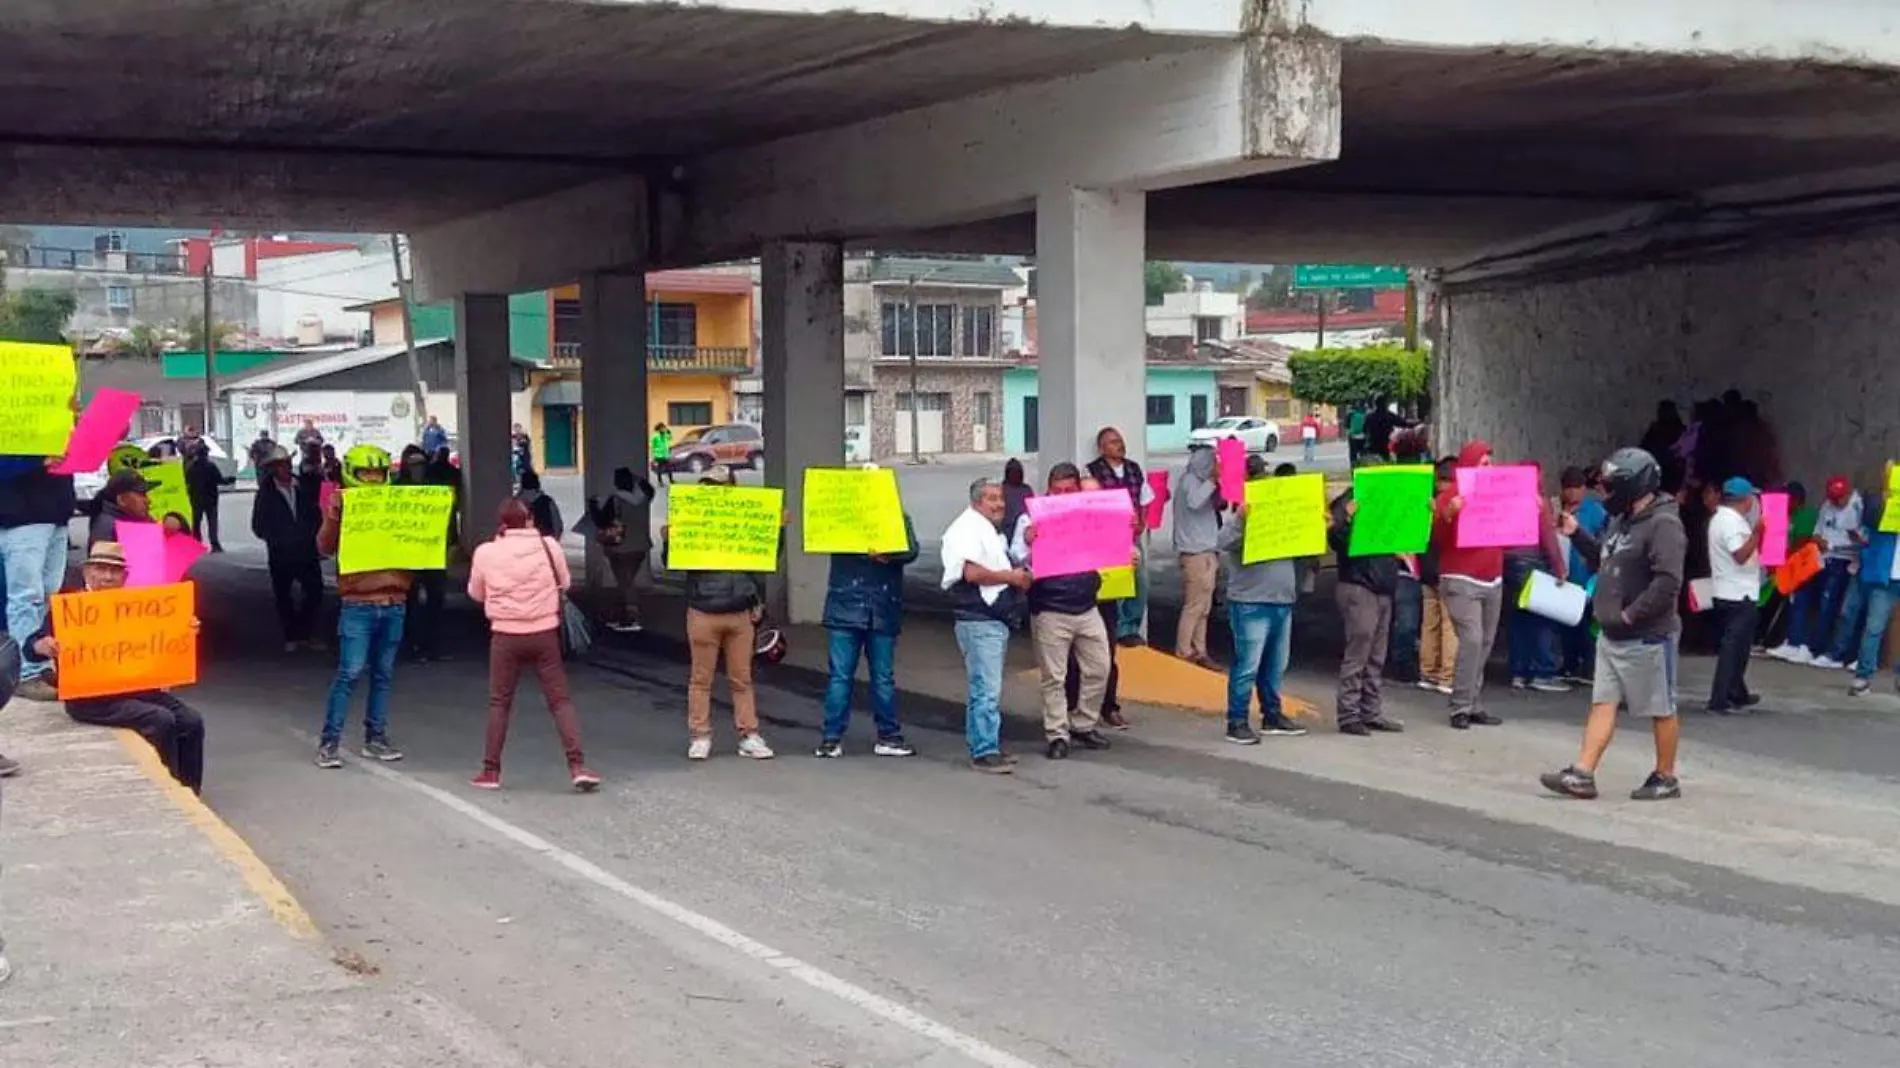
(105, 524)
(864, 594)
(36, 496)
(289, 538)
(1639, 572)
(1380, 574)
(202, 480)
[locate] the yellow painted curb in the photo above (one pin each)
(1151, 677)
(283, 905)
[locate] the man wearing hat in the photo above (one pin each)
(1735, 534)
(285, 516)
(172, 727)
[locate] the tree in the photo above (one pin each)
(1160, 279)
(36, 315)
(1355, 376)
(144, 342)
(194, 333)
(1275, 290)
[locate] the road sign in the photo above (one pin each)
(1347, 276)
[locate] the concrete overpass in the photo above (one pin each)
(1621, 200)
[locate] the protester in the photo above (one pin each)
(308, 435)
(1309, 436)
(285, 516)
(722, 614)
(547, 514)
(1260, 601)
(1639, 575)
(621, 529)
(986, 590)
(332, 467)
(1114, 470)
(661, 447)
(1408, 600)
(1471, 583)
(1828, 605)
(259, 452)
(1532, 639)
(1660, 441)
(422, 608)
(121, 500)
(173, 728)
(35, 506)
(1577, 644)
(1880, 583)
(1016, 493)
(435, 436)
(1197, 522)
(520, 451)
(518, 579)
(1366, 587)
(864, 611)
(1735, 534)
(1110, 611)
(203, 482)
(1380, 425)
(369, 627)
(1064, 622)
(1355, 434)
(1438, 639)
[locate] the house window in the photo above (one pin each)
(933, 334)
(567, 322)
(689, 413)
(674, 325)
(1207, 328)
(979, 332)
(119, 298)
(1160, 409)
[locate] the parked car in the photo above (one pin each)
(1258, 435)
(735, 445)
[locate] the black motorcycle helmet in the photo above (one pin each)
(1629, 475)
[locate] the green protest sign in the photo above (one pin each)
(1395, 510)
(394, 528)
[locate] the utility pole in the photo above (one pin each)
(211, 357)
(1411, 315)
(409, 335)
(1321, 296)
(916, 399)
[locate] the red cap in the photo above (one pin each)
(1837, 486)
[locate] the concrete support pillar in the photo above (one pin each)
(802, 328)
(482, 374)
(613, 391)
(1091, 337)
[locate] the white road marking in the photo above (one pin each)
(817, 978)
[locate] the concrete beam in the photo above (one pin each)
(534, 244)
(1228, 110)
(1212, 17)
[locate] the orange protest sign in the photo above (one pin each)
(121, 641)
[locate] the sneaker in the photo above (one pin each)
(754, 747)
(8, 767)
(1658, 787)
(699, 749)
(1112, 717)
(1442, 687)
(1386, 725)
(1520, 684)
(37, 689)
(1748, 700)
(893, 747)
(1851, 665)
(1827, 662)
(487, 780)
(1356, 729)
(1426, 684)
(1784, 651)
(1571, 782)
(1089, 739)
(992, 763)
(1058, 749)
(1549, 686)
(1859, 687)
(1131, 641)
(1799, 655)
(1282, 728)
(1578, 678)
(625, 627)
(381, 749)
(1241, 734)
(328, 757)
(585, 781)
(1460, 721)
(829, 749)
(1485, 719)
(1008, 758)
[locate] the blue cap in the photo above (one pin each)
(1738, 487)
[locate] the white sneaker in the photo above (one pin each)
(1827, 662)
(1784, 651)
(1520, 683)
(1851, 665)
(1549, 686)
(754, 746)
(700, 749)
(1799, 655)
(1425, 684)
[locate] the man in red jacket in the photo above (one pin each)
(1471, 582)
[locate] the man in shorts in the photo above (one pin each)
(1639, 575)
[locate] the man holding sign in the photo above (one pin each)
(1471, 581)
(1260, 597)
(1065, 622)
(374, 593)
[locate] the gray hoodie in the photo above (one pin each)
(1268, 582)
(1197, 505)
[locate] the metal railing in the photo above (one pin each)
(671, 358)
(81, 259)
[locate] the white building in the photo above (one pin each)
(1199, 313)
(304, 299)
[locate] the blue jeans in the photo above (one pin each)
(1579, 649)
(983, 642)
(1130, 610)
(1819, 605)
(1531, 640)
(1408, 621)
(1263, 636)
(367, 636)
(1880, 602)
(881, 650)
(33, 558)
(1311, 445)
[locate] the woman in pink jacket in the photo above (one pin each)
(518, 579)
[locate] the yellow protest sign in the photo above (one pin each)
(723, 528)
(850, 510)
(1890, 515)
(394, 528)
(37, 383)
(166, 491)
(1286, 518)
(122, 641)
(1118, 584)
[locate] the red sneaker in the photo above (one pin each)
(487, 780)
(585, 781)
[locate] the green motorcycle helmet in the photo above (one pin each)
(125, 456)
(365, 458)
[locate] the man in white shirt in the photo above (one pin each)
(1735, 579)
(987, 589)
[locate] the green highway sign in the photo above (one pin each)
(1347, 276)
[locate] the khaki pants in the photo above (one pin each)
(1056, 636)
(1438, 643)
(708, 634)
(1199, 572)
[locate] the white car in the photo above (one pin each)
(87, 484)
(1258, 435)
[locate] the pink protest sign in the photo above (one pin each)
(154, 558)
(101, 426)
(1078, 532)
(1157, 505)
(1774, 535)
(326, 492)
(1500, 507)
(1231, 455)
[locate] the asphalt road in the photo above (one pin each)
(1147, 906)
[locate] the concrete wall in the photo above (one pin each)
(323, 284)
(1563, 372)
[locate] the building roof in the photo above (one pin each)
(898, 270)
(296, 368)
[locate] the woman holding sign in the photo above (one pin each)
(1471, 581)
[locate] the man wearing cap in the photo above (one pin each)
(173, 728)
(1735, 576)
(123, 499)
(1833, 594)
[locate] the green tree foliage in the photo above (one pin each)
(1160, 279)
(36, 315)
(1275, 291)
(193, 334)
(144, 342)
(1352, 376)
